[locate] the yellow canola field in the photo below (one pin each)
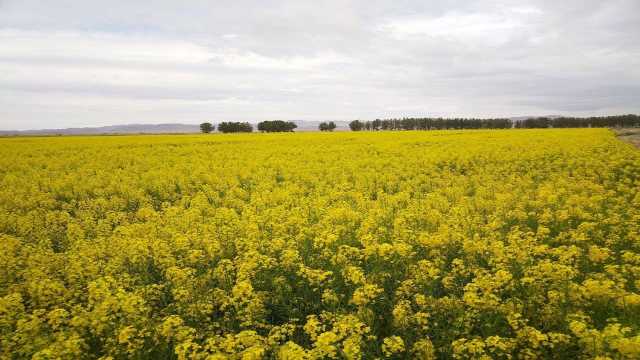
(445, 244)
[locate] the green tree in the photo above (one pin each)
(206, 127)
(233, 127)
(356, 125)
(276, 126)
(327, 126)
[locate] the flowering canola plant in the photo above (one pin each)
(493, 244)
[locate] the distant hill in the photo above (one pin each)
(151, 129)
(113, 129)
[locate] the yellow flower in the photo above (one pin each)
(365, 294)
(292, 351)
(392, 345)
(325, 345)
(473, 244)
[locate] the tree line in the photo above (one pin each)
(429, 124)
(618, 121)
(629, 120)
(240, 127)
(494, 123)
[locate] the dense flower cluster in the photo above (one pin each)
(461, 244)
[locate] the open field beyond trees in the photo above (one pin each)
(494, 243)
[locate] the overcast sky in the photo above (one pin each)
(70, 63)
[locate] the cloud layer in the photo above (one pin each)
(84, 63)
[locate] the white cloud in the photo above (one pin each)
(239, 59)
(492, 29)
(74, 45)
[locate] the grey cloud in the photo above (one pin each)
(162, 60)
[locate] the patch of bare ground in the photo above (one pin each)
(630, 135)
